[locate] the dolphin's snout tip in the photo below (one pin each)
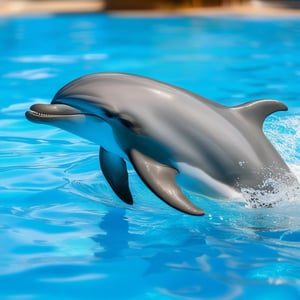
(33, 113)
(54, 109)
(41, 113)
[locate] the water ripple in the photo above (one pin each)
(33, 74)
(65, 235)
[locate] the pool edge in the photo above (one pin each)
(49, 7)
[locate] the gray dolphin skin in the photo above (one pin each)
(171, 136)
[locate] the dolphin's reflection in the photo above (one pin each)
(116, 236)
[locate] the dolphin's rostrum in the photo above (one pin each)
(171, 136)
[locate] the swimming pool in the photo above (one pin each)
(64, 235)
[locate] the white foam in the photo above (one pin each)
(282, 194)
(284, 134)
(296, 170)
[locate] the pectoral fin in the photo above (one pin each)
(115, 171)
(161, 180)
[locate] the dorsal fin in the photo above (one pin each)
(257, 111)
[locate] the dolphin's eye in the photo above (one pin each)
(109, 114)
(109, 111)
(125, 121)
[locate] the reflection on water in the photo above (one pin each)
(116, 235)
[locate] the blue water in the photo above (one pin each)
(64, 235)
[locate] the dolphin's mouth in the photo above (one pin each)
(44, 113)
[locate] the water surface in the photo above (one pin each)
(64, 235)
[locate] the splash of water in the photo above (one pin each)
(281, 194)
(284, 134)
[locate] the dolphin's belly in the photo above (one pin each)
(98, 132)
(197, 181)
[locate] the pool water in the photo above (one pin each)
(64, 235)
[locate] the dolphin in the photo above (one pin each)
(171, 136)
